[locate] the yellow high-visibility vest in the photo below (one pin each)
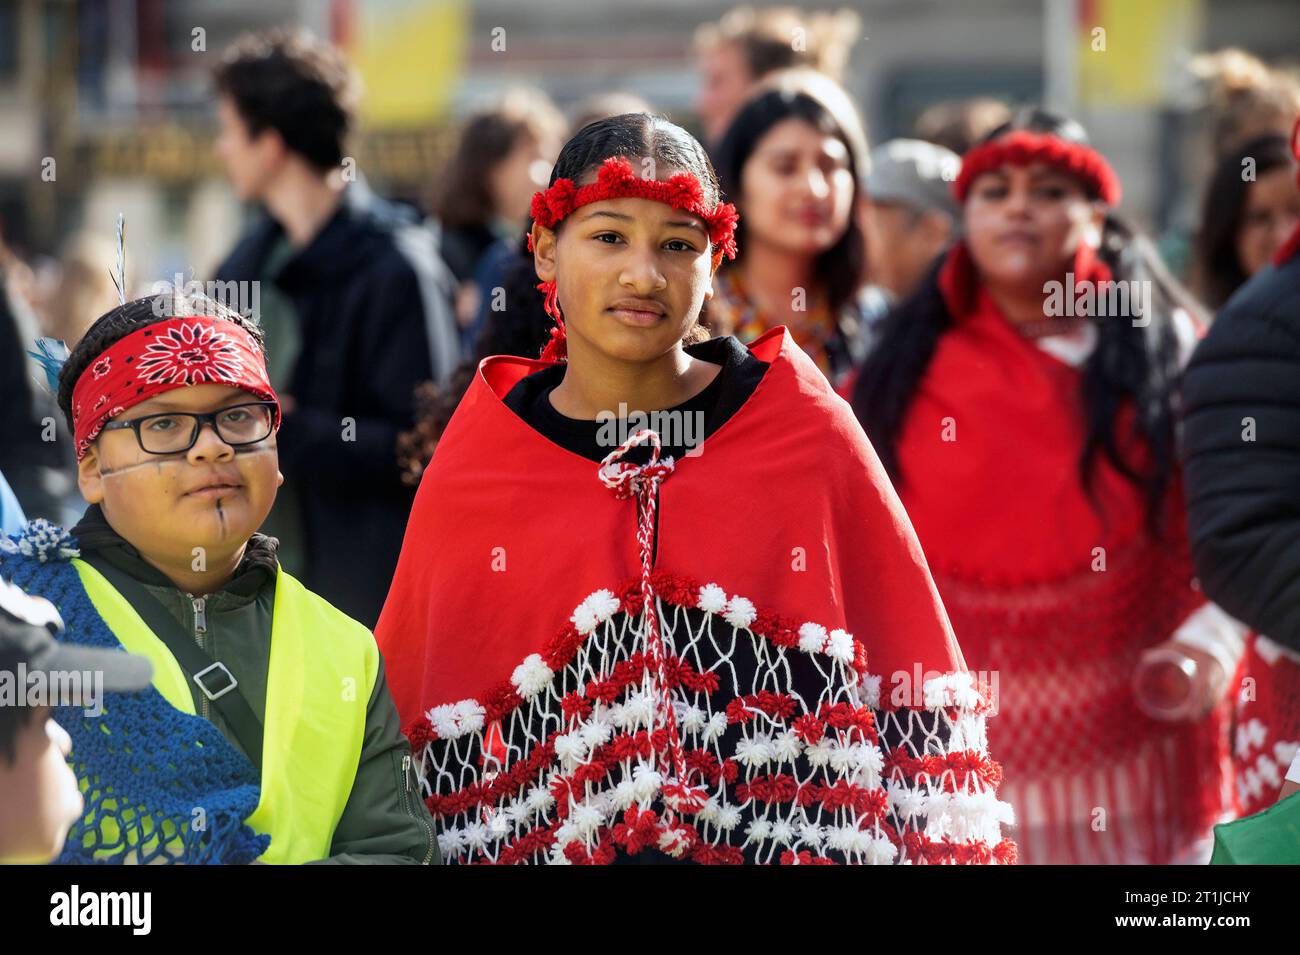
(319, 679)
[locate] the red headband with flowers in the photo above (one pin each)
(616, 180)
(174, 353)
(1022, 147)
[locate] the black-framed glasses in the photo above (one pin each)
(172, 432)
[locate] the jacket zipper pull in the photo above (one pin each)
(406, 771)
(200, 615)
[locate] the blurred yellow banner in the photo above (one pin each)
(410, 54)
(1130, 51)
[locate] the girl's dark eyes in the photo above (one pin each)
(602, 236)
(829, 167)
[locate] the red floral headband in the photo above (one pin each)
(1021, 148)
(174, 353)
(615, 180)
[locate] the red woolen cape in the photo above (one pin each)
(1055, 595)
(510, 532)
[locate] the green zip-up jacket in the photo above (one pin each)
(385, 819)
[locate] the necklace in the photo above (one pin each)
(812, 328)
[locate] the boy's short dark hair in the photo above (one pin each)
(301, 87)
(121, 321)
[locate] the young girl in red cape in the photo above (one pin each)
(1027, 416)
(612, 642)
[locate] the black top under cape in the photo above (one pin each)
(741, 372)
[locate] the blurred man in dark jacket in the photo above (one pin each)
(355, 302)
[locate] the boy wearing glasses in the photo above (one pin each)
(270, 735)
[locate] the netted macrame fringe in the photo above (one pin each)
(1092, 778)
(160, 785)
(561, 763)
(1134, 812)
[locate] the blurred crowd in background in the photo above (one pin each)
(452, 113)
(388, 222)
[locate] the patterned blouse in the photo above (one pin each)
(832, 344)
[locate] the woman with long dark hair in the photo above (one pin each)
(1023, 399)
(790, 160)
(614, 641)
(1251, 206)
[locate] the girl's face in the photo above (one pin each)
(1025, 223)
(1271, 214)
(213, 496)
(631, 275)
(796, 189)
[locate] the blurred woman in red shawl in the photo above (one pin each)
(1024, 401)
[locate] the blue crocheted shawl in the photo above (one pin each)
(171, 787)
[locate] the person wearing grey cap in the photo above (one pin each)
(39, 796)
(909, 217)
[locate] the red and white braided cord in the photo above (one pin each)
(642, 481)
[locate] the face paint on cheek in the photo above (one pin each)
(259, 448)
(128, 468)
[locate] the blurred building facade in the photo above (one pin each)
(105, 105)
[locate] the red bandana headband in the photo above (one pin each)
(1021, 148)
(616, 180)
(175, 353)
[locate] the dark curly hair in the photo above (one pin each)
(301, 87)
(116, 324)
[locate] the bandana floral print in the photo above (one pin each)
(192, 354)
